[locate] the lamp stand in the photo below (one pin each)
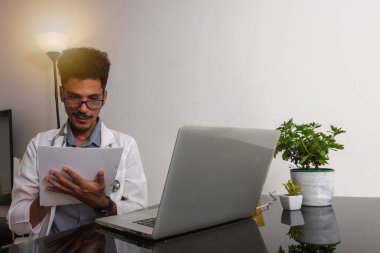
(53, 57)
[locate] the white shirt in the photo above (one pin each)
(131, 195)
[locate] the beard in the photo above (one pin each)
(77, 125)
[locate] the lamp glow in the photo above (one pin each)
(52, 41)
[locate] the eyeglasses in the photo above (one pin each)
(91, 104)
(76, 103)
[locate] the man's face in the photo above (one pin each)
(81, 117)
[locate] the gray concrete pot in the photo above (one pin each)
(317, 186)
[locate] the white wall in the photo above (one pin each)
(215, 62)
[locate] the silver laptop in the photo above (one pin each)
(215, 176)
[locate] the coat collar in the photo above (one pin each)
(107, 137)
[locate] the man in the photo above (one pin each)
(84, 74)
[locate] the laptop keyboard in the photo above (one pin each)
(147, 222)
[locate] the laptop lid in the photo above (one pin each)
(215, 176)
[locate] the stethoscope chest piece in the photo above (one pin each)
(116, 186)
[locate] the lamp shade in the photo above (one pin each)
(52, 41)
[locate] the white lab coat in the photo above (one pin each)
(130, 174)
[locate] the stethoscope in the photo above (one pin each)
(116, 186)
(61, 133)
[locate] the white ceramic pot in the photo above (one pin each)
(317, 185)
(291, 202)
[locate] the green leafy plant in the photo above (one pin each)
(293, 189)
(305, 146)
(295, 232)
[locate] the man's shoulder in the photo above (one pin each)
(43, 139)
(119, 137)
(48, 133)
(45, 136)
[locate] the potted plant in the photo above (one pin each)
(292, 200)
(308, 149)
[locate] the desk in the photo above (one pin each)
(349, 225)
(355, 222)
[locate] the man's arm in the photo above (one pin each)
(25, 201)
(37, 212)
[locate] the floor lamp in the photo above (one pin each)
(52, 44)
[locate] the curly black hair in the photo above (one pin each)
(84, 63)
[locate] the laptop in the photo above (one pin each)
(215, 176)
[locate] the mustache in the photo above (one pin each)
(82, 115)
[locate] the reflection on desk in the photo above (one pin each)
(350, 225)
(240, 236)
(314, 228)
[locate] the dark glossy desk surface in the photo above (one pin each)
(349, 225)
(355, 222)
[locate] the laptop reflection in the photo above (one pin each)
(239, 236)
